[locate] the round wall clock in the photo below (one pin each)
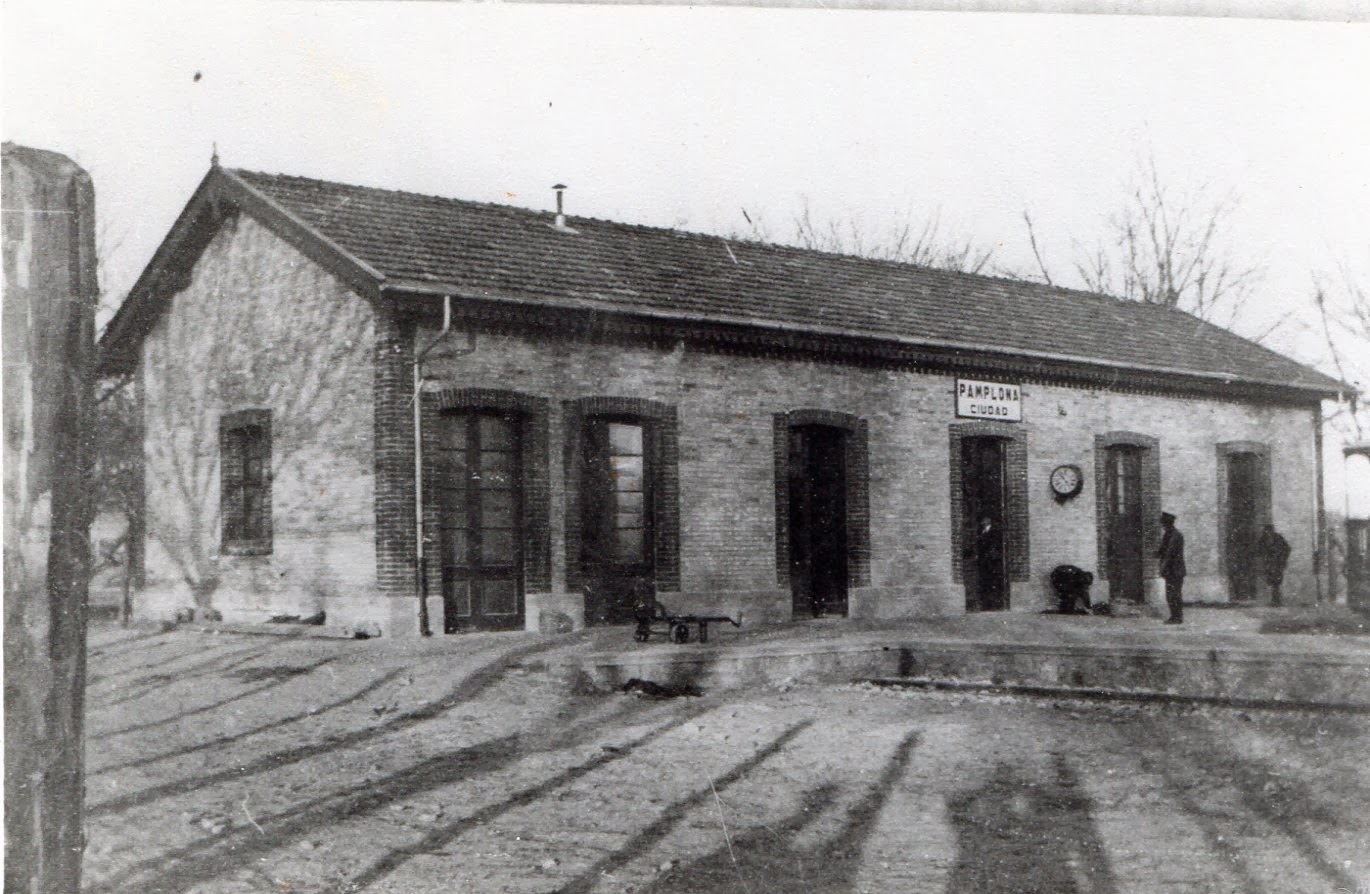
(1066, 481)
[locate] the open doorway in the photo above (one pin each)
(1246, 514)
(984, 551)
(819, 551)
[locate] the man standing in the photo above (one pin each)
(1274, 550)
(1171, 555)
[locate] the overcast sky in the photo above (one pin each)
(682, 116)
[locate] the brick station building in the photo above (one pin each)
(604, 407)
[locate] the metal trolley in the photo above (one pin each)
(652, 617)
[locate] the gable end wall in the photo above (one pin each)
(261, 327)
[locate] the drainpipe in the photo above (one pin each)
(1319, 510)
(421, 569)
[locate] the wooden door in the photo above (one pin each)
(984, 566)
(479, 500)
(818, 520)
(618, 559)
(1244, 519)
(1125, 522)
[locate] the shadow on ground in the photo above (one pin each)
(1019, 835)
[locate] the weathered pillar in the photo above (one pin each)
(49, 304)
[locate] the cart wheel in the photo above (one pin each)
(680, 633)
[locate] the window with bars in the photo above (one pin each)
(245, 481)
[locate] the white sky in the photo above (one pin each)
(682, 116)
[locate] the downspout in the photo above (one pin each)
(421, 564)
(1319, 510)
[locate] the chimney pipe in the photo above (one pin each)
(561, 218)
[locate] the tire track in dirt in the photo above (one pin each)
(201, 861)
(159, 682)
(464, 690)
(221, 741)
(213, 706)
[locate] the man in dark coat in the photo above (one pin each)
(1171, 556)
(1274, 550)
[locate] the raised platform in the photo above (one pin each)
(1217, 655)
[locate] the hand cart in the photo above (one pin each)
(652, 617)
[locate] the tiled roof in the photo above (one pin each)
(502, 250)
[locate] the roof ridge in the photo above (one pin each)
(386, 190)
(781, 247)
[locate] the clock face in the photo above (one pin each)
(1066, 481)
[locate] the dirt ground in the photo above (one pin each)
(225, 763)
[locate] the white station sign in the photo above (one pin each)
(989, 400)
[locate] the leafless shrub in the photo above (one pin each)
(1168, 246)
(906, 239)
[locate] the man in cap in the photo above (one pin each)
(1274, 550)
(1171, 556)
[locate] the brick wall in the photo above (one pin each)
(1070, 426)
(393, 433)
(726, 405)
(262, 328)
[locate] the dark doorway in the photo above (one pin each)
(983, 546)
(480, 494)
(818, 520)
(1123, 496)
(1358, 563)
(618, 559)
(1244, 520)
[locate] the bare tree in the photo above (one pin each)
(1169, 246)
(117, 485)
(1344, 317)
(925, 244)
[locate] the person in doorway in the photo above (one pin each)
(1274, 550)
(1171, 556)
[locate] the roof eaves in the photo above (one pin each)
(1331, 389)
